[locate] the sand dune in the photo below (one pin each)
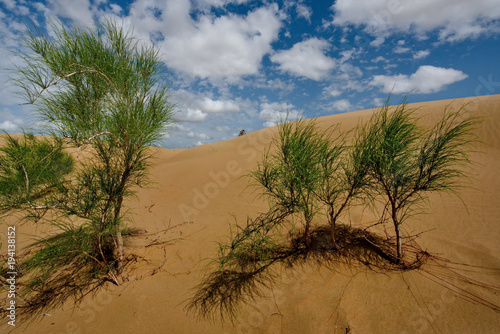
(197, 192)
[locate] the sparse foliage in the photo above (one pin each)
(311, 176)
(290, 175)
(30, 169)
(305, 176)
(106, 94)
(406, 162)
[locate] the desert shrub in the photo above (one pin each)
(305, 176)
(312, 177)
(290, 175)
(405, 162)
(106, 95)
(30, 169)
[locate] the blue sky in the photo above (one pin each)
(242, 64)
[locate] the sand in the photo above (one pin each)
(195, 195)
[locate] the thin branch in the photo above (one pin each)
(107, 133)
(86, 70)
(53, 83)
(27, 180)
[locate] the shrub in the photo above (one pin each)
(307, 175)
(405, 162)
(97, 90)
(30, 169)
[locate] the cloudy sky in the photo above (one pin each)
(242, 64)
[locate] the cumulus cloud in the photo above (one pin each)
(279, 85)
(342, 105)
(223, 128)
(379, 59)
(400, 49)
(9, 4)
(217, 3)
(9, 122)
(421, 54)
(80, 11)
(227, 47)
(306, 59)
(197, 43)
(8, 126)
(190, 115)
(333, 91)
(195, 107)
(11, 31)
(202, 136)
(346, 77)
(115, 9)
(378, 102)
(454, 19)
(427, 79)
(304, 11)
(273, 113)
(204, 46)
(180, 135)
(211, 106)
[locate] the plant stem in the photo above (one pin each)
(398, 232)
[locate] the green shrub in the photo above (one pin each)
(405, 162)
(312, 177)
(108, 96)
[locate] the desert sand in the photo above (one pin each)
(196, 193)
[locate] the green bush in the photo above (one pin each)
(105, 95)
(311, 178)
(405, 162)
(30, 169)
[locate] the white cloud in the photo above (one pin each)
(390, 66)
(77, 10)
(115, 9)
(8, 126)
(223, 128)
(304, 11)
(217, 3)
(9, 122)
(400, 49)
(219, 48)
(211, 106)
(334, 92)
(9, 41)
(273, 113)
(273, 84)
(9, 4)
(379, 59)
(378, 102)
(196, 107)
(455, 19)
(190, 115)
(427, 79)
(421, 54)
(193, 134)
(346, 55)
(306, 59)
(227, 47)
(179, 127)
(202, 136)
(347, 77)
(342, 105)
(23, 10)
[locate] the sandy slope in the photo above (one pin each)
(196, 192)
